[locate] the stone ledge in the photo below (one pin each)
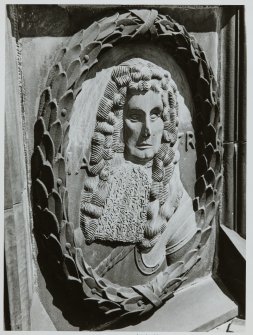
(200, 307)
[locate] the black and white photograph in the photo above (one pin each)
(125, 167)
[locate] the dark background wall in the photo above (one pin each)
(40, 20)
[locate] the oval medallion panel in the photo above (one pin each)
(126, 170)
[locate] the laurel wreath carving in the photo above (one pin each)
(50, 195)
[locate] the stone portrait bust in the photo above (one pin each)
(132, 193)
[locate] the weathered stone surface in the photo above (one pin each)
(40, 320)
(196, 132)
(19, 268)
(13, 124)
(18, 253)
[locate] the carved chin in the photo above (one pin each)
(137, 155)
(146, 154)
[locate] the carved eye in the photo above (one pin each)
(134, 117)
(155, 115)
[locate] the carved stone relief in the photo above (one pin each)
(137, 218)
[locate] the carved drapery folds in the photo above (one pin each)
(54, 232)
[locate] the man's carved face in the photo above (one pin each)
(143, 127)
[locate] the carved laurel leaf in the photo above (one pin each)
(205, 236)
(211, 135)
(209, 194)
(80, 80)
(69, 232)
(109, 19)
(53, 73)
(107, 305)
(168, 293)
(59, 86)
(59, 172)
(70, 266)
(37, 161)
(45, 98)
(55, 205)
(128, 30)
(50, 113)
(106, 46)
(54, 246)
(203, 87)
(200, 216)
(90, 53)
(148, 22)
(90, 34)
(102, 282)
(197, 238)
(189, 255)
(210, 177)
(73, 72)
(39, 130)
(75, 287)
(202, 165)
(191, 262)
(131, 304)
(158, 283)
(176, 271)
(47, 176)
(62, 237)
(90, 287)
(70, 55)
(218, 183)
(209, 151)
(112, 38)
(162, 27)
(171, 284)
(166, 23)
(126, 292)
(48, 146)
(76, 39)
(215, 162)
(207, 107)
(215, 118)
(111, 294)
(143, 14)
(80, 262)
(125, 22)
(40, 193)
(114, 313)
(65, 106)
(200, 186)
(210, 212)
(64, 145)
(48, 224)
(65, 202)
(56, 135)
(60, 55)
(106, 28)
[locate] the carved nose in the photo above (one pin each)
(147, 131)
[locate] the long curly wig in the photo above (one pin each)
(107, 146)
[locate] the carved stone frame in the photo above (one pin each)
(53, 231)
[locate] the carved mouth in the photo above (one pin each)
(144, 146)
